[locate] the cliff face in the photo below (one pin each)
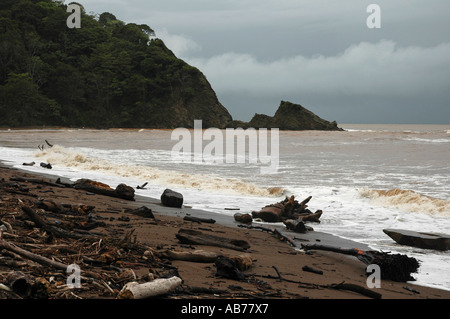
(105, 74)
(189, 98)
(289, 116)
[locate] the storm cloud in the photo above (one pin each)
(320, 54)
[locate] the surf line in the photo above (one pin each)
(227, 146)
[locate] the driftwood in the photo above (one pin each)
(289, 208)
(51, 229)
(34, 181)
(243, 218)
(187, 236)
(271, 213)
(31, 256)
(65, 184)
(314, 217)
(199, 219)
(157, 287)
(227, 268)
(143, 211)
(20, 283)
(14, 188)
(142, 186)
(297, 226)
(275, 232)
(46, 165)
(61, 208)
(356, 288)
(29, 164)
(122, 191)
(341, 286)
(242, 262)
(312, 269)
(396, 267)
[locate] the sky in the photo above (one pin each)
(321, 54)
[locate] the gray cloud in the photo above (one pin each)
(317, 53)
(381, 68)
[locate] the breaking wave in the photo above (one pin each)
(75, 159)
(408, 201)
(426, 140)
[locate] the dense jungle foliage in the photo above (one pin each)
(107, 73)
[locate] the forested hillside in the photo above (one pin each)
(107, 73)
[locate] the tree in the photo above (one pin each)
(23, 105)
(107, 73)
(105, 18)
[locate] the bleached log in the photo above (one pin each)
(157, 287)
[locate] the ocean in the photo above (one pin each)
(364, 179)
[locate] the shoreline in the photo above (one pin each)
(275, 262)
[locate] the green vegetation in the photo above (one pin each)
(105, 74)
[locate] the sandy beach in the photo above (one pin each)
(116, 245)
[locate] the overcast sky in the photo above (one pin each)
(317, 53)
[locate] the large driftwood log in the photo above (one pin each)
(289, 208)
(122, 191)
(188, 236)
(270, 213)
(396, 267)
(199, 219)
(243, 218)
(157, 287)
(35, 181)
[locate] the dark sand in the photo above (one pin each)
(271, 256)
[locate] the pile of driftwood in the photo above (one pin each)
(93, 187)
(292, 213)
(42, 242)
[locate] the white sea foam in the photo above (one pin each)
(73, 158)
(428, 140)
